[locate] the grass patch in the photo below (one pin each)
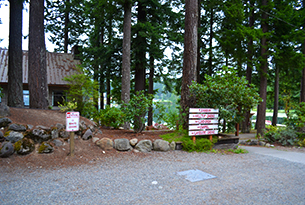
(174, 136)
(228, 151)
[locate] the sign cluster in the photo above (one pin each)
(203, 121)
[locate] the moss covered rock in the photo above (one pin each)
(24, 146)
(45, 148)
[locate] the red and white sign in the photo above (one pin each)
(203, 127)
(191, 122)
(72, 121)
(209, 116)
(207, 132)
(204, 110)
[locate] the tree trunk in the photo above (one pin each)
(108, 88)
(66, 29)
(38, 86)
(302, 95)
(261, 111)
(125, 94)
(15, 85)
(246, 124)
(151, 86)
(276, 96)
(140, 62)
(141, 52)
(189, 57)
(199, 43)
(210, 69)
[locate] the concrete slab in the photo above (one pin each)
(290, 156)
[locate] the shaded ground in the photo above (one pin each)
(85, 151)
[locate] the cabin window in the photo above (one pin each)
(58, 98)
(26, 98)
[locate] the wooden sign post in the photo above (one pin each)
(203, 121)
(72, 125)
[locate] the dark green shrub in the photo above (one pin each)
(201, 144)
(110, 116)
(284, 135)
(172, 119)
(136, 109)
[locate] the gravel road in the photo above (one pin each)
(153, 179)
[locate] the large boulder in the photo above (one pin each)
(45, 148)
(17, 128)
(122, 144)
(14, 136)
(4, 122)
(144, 146)
(57, 142)
(54, 133)
(105, 144)
(2, 138)
(39, 135)
(64, 134)
(4, 110)
(82, 125)
(161, 145)
(24, 146)
(172, 145)
(59, 126)
(87, 135)
(7, 149)
(41, 127)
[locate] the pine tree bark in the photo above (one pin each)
(189, 57)
(261, 111)
(125, 95)
(140, 52)
(276, 96)
(15, 84)
(246, 124)
(151, 86)
(38, 86)
(199, 44)
(66, 29)
(302, 94)
(210, 69)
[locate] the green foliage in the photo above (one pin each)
(296, 119)
(68, 106)
(172, 119)
(110, 116)
(160, 115)
(284, 135)
(301, 143)
(238, 151)
(136, 109)
(82, 90)
(229, 93)
(201, 144)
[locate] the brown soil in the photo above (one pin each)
(86, 152)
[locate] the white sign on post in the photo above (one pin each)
(72, 121)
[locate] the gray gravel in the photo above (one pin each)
(130, 179)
